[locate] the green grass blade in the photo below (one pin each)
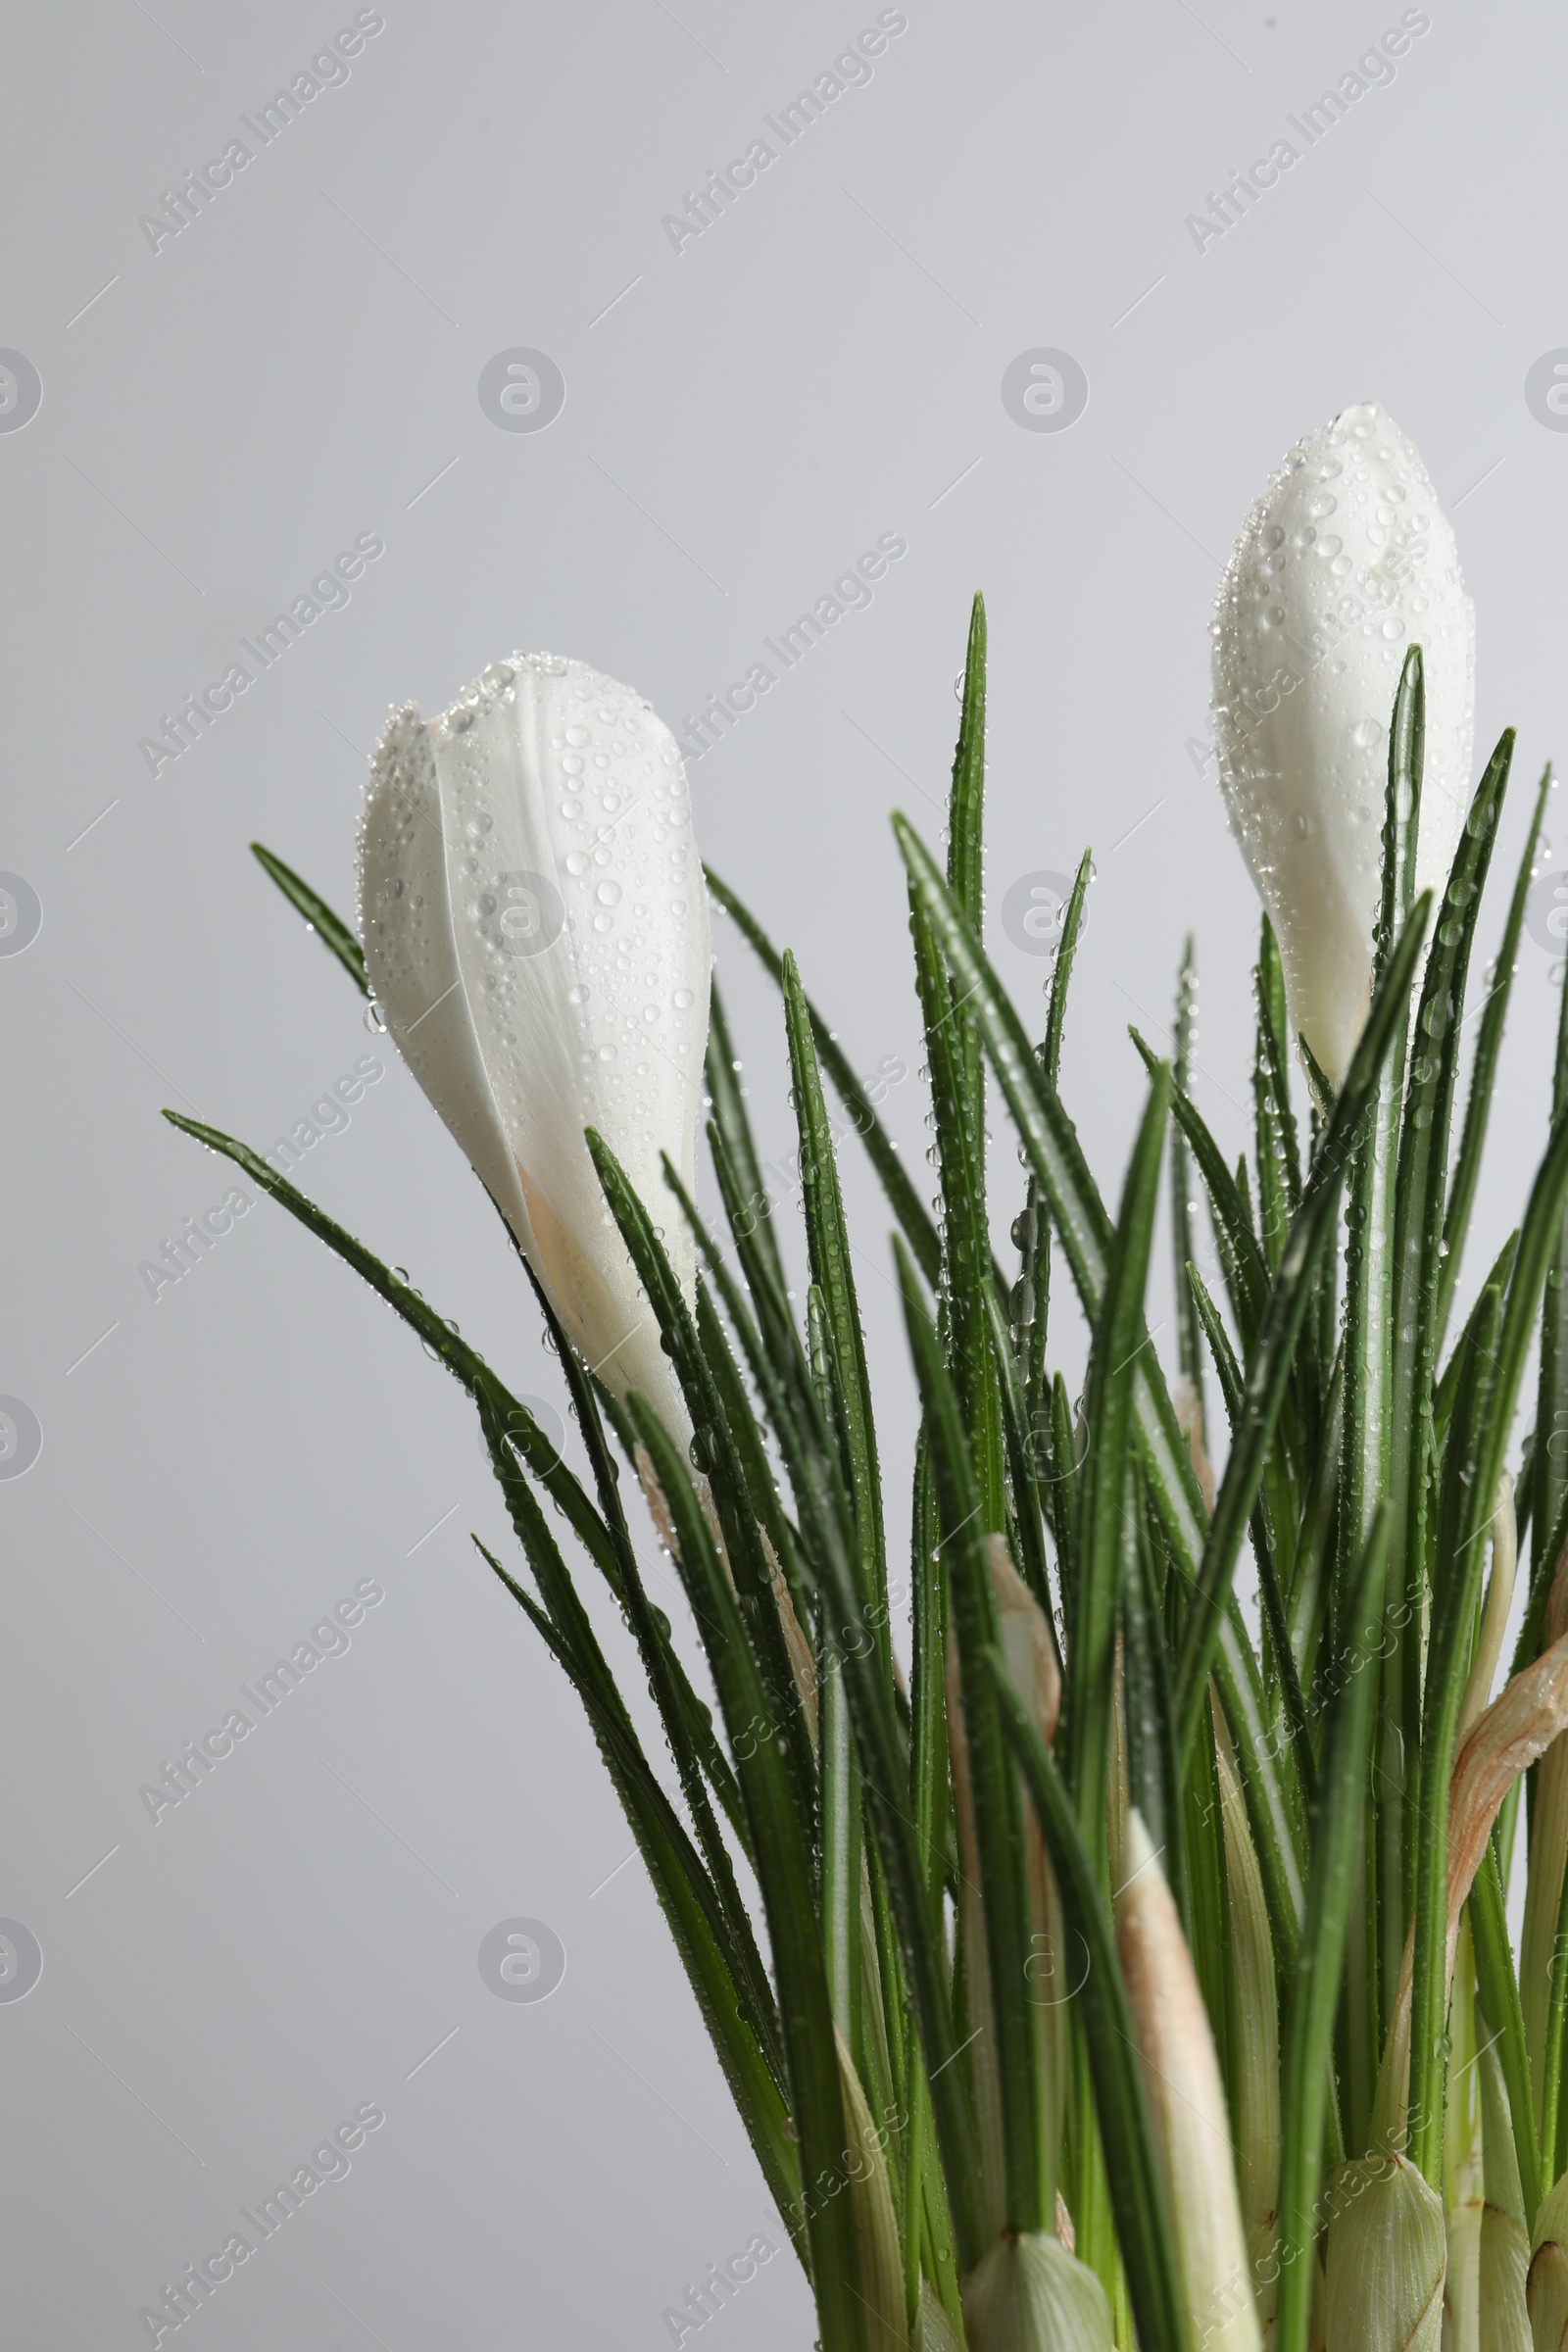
(809, 1447)
(1276, 1206)
(1498, 1988)
(720, 1459)
(1242, 1259)
(1306, 1601)
(833, 1271)
(716, 1888)
(779, 1840)
(1143, 2226)
(1079, 1219)
(1118, 1341)
(1027, 1522)
(1459, 1560)
(329, 928)
(1420, 1264)
(1306, 2071)
(1484, 1070)
(1189, 1343)
(740, 1413)
(914, 1868)
(966, 803)
(776, 1325)
(911, 1848)
(966, 1238)
(1552, 2118)
(1551, 1394)
(722, 1072)
(914, 1221)
(1420, 1202)
(997, 1809)
(1072, 919)
(1154, 1782)
(1061, 1496)
(1374, 1163)
(676, 1878)
(1274, 1043)
(1270, 1594)
(688, 1723)
(1482, 1417)
(966, 881)
(1269, 1368)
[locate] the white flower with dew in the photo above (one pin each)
(536, 934)
(1345, 562)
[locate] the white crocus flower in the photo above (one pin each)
(535, 929)
(1343, 563)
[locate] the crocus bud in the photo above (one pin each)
(535, 930)
(1546, 2292)
(1029, 2294)
(1344, 562)
(1186, 2104)
(1387, 2255)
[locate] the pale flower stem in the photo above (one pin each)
(1464, 2192)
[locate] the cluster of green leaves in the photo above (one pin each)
(1361, 1470)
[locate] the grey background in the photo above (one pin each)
(823, 365)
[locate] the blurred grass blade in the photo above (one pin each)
(329, 928)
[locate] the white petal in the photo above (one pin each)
(1344, 562)
(411, 955)
(580, 922)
